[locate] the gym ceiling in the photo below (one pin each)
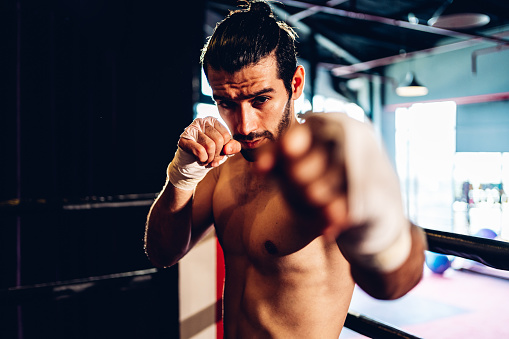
(374, 33)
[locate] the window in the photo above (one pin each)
(425, 148)
(481, 202)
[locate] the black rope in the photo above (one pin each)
(78, 287)
(50, 205)
(373, 328)
(493, 253)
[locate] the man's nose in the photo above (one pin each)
(247, 119)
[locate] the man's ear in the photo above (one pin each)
(298, 82)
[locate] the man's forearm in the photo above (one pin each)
(168, 229)
(396, 283)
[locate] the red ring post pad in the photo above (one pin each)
(493, 253)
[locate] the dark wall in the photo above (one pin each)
(101, 89)
(94, 95)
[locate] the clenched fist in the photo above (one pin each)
(205, 144)
(335, 173)
(209, 141)
(309, 162)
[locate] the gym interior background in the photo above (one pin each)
(95, 95)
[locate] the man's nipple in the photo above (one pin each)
(270, 247)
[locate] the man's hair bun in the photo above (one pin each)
(260, 7)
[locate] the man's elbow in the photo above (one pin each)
(395, 289)
(162, 258)
(405, 278)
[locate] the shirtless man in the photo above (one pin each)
(303, 212)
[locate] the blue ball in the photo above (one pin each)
(486, 233)
(437, 263)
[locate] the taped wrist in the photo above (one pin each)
(185, 172)
(381, 254)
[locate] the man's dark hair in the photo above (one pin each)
(246, 36)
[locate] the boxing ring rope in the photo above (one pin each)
(78, 287)
(374, 329)
(43, 205)
(489, 252)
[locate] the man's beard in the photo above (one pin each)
(251, 153)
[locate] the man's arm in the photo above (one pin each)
(337, 176)
(395, 283)
(169, 232)
(174, 224)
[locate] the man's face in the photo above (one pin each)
(254, 104)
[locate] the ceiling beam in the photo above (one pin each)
(312, 10)
(473, 99)
(392, 22)
(323, 41)
(364, 66)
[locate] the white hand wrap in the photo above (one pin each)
(382, 239)
(184, 171)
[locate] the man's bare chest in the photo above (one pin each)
(253, 220)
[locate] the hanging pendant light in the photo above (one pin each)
(410, 87)
(459, 21)
(448, 17)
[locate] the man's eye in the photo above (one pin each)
(260, 100)
(226, 104)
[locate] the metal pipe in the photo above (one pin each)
(312, 10)
(364, 66)
(392, 22)
(322, 40)
(494, 49)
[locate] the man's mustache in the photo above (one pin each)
(253, 136)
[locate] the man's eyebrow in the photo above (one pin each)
(244, 97)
